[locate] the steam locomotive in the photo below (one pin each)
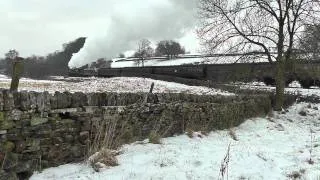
(307, 73)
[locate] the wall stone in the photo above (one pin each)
(40, 130)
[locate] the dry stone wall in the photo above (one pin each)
(40, 130)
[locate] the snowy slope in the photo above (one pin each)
(267, 148)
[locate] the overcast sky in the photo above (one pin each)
(112, 26)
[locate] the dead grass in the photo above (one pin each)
(303, 112)
(296, 174)
(200, 134)
(232, 134)
(205, 133)
(224, 167)
(103, 135)
(310, 160)
(189, 133)
(104, 158)
(243, 178)
(154, 137)
(101, 142)
(270, 114)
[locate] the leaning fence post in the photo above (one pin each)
(147, 95)
(17, 70)
(151, 88)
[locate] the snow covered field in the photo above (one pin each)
(117, 84)
(294, 88)
(270, 148)
(135, 84)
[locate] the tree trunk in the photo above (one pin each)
(280, 85)
(280, 66)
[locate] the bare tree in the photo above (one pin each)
(12, 54)
(257, 25)
(169, 48)
(144, 50)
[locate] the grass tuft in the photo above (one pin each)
(233, 135)
(154, 137)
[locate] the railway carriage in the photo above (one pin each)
(109, 72)
(307, 73)
(185, 71)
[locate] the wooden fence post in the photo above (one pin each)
(17, 70)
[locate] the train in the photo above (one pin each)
(307, 73)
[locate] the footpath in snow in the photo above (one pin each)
(280, 146)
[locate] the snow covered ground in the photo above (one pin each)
(294, 88)
(270, 148)
(117, 84)
(135, 84)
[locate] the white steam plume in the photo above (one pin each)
(132, 20)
